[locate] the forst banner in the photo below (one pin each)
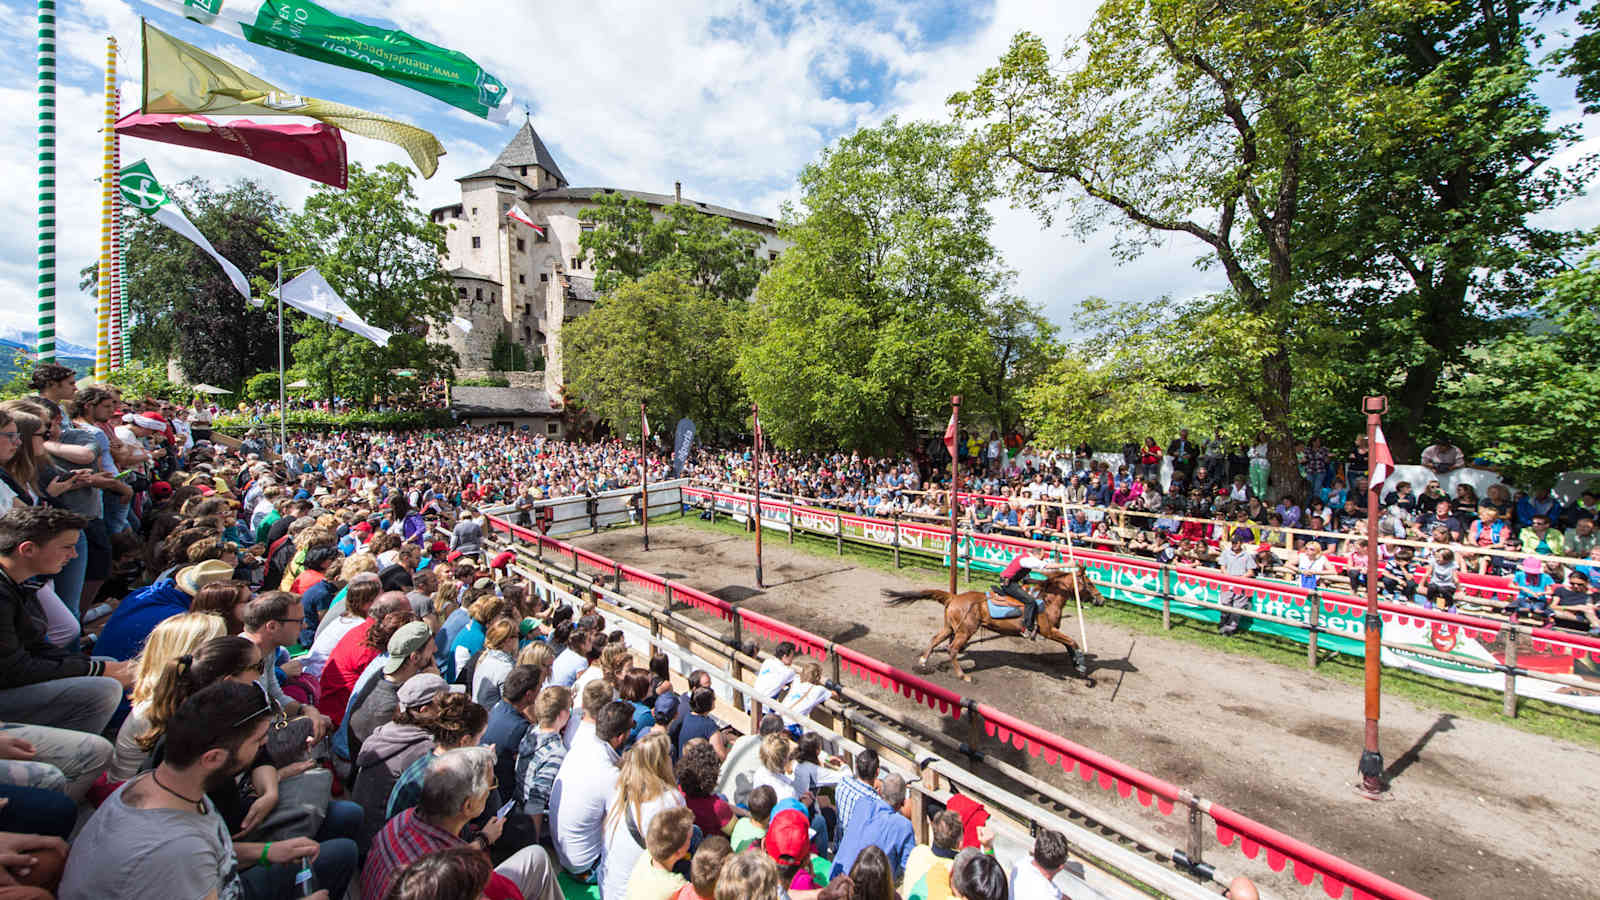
(1141, 583)
(308, 30)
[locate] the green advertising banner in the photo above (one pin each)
(306, 29)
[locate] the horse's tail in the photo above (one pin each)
(905, 598)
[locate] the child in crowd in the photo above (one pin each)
(1312, 565)
(656, 875)
(753, 827)
(1442, 581)
(1532, 584)
(707, 864)
(1398, 581)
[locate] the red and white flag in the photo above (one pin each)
(516, 214)
(1382, 462)
(644, 421)
(950, 434)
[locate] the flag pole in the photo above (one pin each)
(755, 416)
(1371, 766)
(955, 483)
(644, 470)
(283, 420)
(45, 142)
(118, 323)
(108, 190)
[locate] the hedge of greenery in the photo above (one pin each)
(491, 381)
(318, 420)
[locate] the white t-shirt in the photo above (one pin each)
(781, 784)
(804, 697)
(773, 677)
(1028, 883)
(622, 852)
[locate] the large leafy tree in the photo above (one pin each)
(1423, 236)
(381, 254)
(660, 339)
(880, 309)
(1024, 346)
(1186, 117)
(181, 303)
(628, 241)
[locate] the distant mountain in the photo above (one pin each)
(15, 337)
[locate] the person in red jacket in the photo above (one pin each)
(359, 647)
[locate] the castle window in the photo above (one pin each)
(586, 226)
(772, 255)
(521, 278)
(544, 276)
(477, 242)
(479, 294)
(527, 333)
(462, 293)
(577, 263)
(524, 171)
(522, 245)
(474, 210)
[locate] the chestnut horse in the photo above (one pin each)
(966, 613)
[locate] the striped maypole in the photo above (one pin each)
(45, 76)
(118, 321)
(108, 195)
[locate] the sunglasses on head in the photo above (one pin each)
(266, 707)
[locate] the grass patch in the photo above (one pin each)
(1533, 716)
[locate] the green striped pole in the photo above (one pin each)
(45, 69)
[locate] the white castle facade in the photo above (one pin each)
(509, 279)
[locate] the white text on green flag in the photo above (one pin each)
(307, 30)
(143, 192)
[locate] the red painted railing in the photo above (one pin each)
(1091, 766)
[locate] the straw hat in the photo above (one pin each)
(191, 579)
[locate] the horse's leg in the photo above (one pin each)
(1050, 627)
(962, 635)
(944, 634)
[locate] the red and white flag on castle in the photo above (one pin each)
(516, 214)
(1382, 462)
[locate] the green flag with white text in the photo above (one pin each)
(306, 29)
(143, 192)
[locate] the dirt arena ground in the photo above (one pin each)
(1478, 809)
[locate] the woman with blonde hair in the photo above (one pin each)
(751, 875)
(539, 655)
(645, 787)
(777, 766)
(173, 638)
(494, 661)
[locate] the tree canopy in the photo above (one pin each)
(629, 241)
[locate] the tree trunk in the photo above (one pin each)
(1277, 380)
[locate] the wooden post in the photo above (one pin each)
(974, 728)
(1166, 598)
(919, 819)
(738, 634)
(671, 601)
(616, 583)
(838, 669)
(897, 548)
(1314, 615)
(838, 533)
(574, 559)
(967, 566)
(1508, 705)
(792, 523)
(1197, 841)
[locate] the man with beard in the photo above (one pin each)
(158, 836)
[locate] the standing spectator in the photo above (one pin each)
(40, 683)
(1442, 456)
(1312, 565)
(158, 836)
(1181, 451)
(1238, 561)
(879, 821)
(1150, 458)
(583, 789)
(467, 537)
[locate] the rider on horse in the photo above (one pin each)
(1016, 572)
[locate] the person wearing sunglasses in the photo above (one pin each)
(159, 836)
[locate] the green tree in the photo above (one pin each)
(880, 309)
(181, 303)
(1422, 229)
(1527, 399)
(660, 339)
(1024, 347)
(628, 241)
(381, 254)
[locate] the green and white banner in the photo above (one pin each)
(306, 29)
(143, 192)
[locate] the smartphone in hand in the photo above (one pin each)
(504, 810)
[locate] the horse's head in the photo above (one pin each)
(1073, 584)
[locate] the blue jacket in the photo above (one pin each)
(137, 615)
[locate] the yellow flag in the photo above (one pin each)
(181, 78)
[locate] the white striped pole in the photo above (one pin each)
(45, 78)
(108, 192)
(118, 320)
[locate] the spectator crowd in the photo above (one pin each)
(229, 670)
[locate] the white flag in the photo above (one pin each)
(310, 293)
(463, 324)
(143, 192)
(1382, 462)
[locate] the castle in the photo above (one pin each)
(511, 279)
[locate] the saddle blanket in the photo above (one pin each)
(1001, 610)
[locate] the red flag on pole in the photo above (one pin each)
(1382, 462)
(516, 214)
(950, 434)
(645, 422)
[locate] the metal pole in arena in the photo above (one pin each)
(755, 417)
(644, 472)
(1380, 466)
(951, 435)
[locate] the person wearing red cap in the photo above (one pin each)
(788, 842)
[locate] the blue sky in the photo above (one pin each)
(730, 97)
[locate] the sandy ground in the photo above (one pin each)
(1475, 804)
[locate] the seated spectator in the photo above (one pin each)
(752, 828)
(315, 588)
(1032, 877)
(777, 764)
(470, 639)
(141, 611)
(705, 867)
(461, 723)
(357, 649)
(454, 873)
(393, 747)
(1539, 503)
(1582, 538)
(977, 876)
(510, 719)
(40, 683)
(159, 836)
(1539, 537)
(697, 722)
(495, 661)
(750, 875)
(1442, 581)
(456, 791)
(410, 653)
(540, 754)
(696, 773)
(645, 788)
(181, 635)
(1576, 598)
(743, 760)
(928, 869)
(583, 789)
(1312, 565)
(345, 615)
(788, 842)
(879, 821)
(1398, 578)
(1533, 586)
(777, 671)
(657, 875)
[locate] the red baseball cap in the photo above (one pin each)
(438, 548)
(788, 839)
(363, 527)
(454, 555)
(161, 490)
